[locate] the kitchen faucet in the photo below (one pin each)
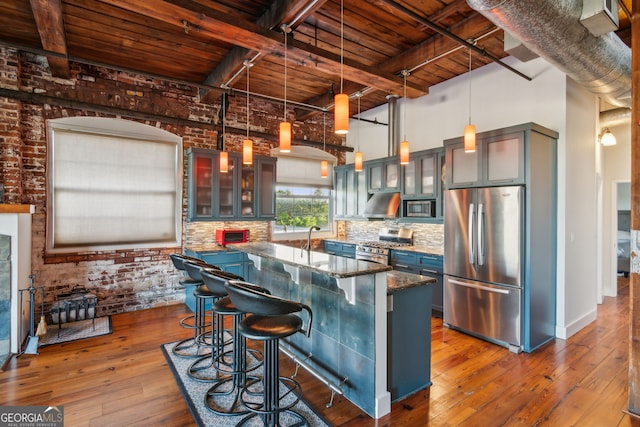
(313, 227)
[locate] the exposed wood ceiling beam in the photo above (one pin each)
(281, 11)
(48, 17)
(254, 37)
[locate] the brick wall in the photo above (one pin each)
(129, 279)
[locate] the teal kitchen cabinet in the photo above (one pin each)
(340, 249)
(350, 192)
(383, 175)
(245, 192)
(424, 264)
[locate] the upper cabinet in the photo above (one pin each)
(422, 186)
(350, 192)
(421, 177)
(499, 158)
(246, 192)
(383, 175)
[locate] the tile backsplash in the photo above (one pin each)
(429, 235)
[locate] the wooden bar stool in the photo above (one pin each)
(270, 319)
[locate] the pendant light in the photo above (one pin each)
(470, 129)
(285, 126)
(358, 158)
(607, 139)
(341, 100)
(224, 156)
(404, 145)
(247, 144)
(324, 165)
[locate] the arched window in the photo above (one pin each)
(113, 184)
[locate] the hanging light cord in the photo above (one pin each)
(284, 30)
(248, 65)
(341, 43)
(224, 114)
(359, 95)
(324, 132)
(469, 85)
(405, 73)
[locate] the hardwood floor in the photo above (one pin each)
(123, 378)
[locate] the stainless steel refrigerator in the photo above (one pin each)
(484, 262)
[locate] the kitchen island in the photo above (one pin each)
(358, 343)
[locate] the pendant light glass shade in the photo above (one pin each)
(607, 139)
(285, 126)
(341, 109)
(247, 152)
(224, 162)
(285, 137)
(358, 162)
(404, 153)
(247, 144)
(324, 169)
(341, 100)
(470, 129)
(469, 138)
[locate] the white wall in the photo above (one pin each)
(499, 99)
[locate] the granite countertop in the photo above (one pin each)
(207, 247)
(398, 281)
(331, 265)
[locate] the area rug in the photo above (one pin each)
(194, 393)
(73, 331)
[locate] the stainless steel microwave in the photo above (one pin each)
(420, 208)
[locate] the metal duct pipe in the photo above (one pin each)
(615, 117)
(552, 29)
(394, 127)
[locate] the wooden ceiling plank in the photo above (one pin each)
(48, 17)
(279, 11)
(252, 36)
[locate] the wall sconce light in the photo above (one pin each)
(607, 138)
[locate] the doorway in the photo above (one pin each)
(621, 224)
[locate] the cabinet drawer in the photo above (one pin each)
(221, 258)
(403, 257)
(332, 248)
(433, 263)
(348, 250)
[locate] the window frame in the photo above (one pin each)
(112, 128)
(330, 232)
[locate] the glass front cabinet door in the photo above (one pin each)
(244, 192)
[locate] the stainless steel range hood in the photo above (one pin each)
(382, 205)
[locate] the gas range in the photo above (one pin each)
(388, 238)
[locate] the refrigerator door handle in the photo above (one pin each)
(472, 254)
(475, 286)
(480, 248)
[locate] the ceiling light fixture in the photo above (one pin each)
(324, 165)
(224, 156)
(404, 145)
(341, 100)
(358, 158)
(607, 139)
(247, 144)
(285, 126)
(470, 129)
